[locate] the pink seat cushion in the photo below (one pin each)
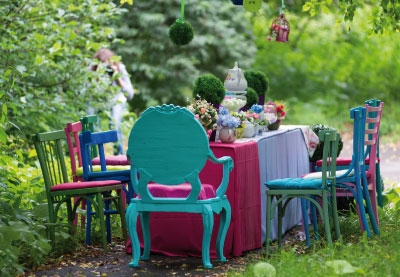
(84, 185)
(180, 191)
(342, 161)
(112, 160)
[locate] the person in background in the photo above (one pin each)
(119, 99)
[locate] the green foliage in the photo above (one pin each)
(251, 97)
(324, 80)
(384, 16)
(23, 240)
(320, 147)
(46, 49)
(165, 73)
(257, 80)
(208, 87)
(181, 32)
(357, 255)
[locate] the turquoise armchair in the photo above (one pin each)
(169, 148)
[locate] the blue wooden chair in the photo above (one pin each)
(91, 172)
(310, 189)
(169, 148)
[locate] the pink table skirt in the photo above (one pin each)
(180, 234)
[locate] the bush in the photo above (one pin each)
(252, 97)
(181, 32)
(257, 80)
(208, 87)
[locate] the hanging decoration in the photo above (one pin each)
(181, 32)
(280, 28)
(237, 2)
(252, 5)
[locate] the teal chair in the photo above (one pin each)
(169, 147)
(287, 189)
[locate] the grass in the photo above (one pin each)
(356, 255)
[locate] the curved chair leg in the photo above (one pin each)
(223, 229)
(361, 209)
(208, 223)
(145, 220)
(131, 219)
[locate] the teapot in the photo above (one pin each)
(235, 80)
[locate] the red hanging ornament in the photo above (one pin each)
(280, 28)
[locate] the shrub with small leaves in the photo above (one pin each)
(181, 32)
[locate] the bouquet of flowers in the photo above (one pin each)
(233, 104)
(279, 108)
(205, 113)
(257, 113)
(225, 119)
(242, 116)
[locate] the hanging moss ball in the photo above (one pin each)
(208, 87)
(252, 97)
(257, 80)
(181, 32)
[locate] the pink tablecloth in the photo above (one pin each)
(180, 234)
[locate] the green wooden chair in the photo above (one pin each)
(50, 149)
(169, 148)
(284, 190)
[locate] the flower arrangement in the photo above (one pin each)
(225, 119)
(279, 107)
(257, 108)
(242, 116)
(205, 113)
(233, 104)
(256, 115)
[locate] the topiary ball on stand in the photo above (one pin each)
(258, 81)
(181, 32)
(251, 98)
(208, 87)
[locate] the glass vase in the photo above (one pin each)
(227, 134)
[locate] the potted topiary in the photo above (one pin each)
(320, 147)
(251, 98)
(258, 81)
(208, 87)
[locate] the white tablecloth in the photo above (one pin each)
(282, 153)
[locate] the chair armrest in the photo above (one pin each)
(227, 164)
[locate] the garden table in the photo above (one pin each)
(275, 154)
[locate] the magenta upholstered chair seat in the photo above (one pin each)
(84, 185)
(112, 160)
(180, 191)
